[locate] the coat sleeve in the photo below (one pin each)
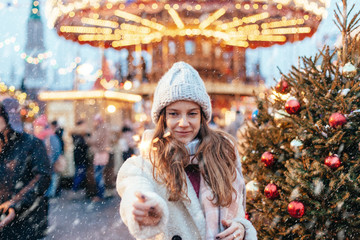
(135, 175)
(39, 165)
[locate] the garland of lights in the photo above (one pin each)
(28, 108)
(41, 56)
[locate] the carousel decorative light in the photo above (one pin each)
(248, 24)
(28, 108)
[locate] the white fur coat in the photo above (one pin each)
(182, 218)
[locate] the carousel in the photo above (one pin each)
(211, 35)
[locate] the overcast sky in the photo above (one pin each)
(13, 24)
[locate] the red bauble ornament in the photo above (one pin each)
(333, 161)
(292, 106)
(271, 191)
(336, 120)
(268, 159)
(296, 209)
(247, 216)
(282, 87)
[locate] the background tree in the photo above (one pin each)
(302, 152)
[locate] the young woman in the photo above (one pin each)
(188, 184)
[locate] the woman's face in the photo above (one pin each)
(183, 120)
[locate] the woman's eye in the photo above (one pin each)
(172, 113)
(193, 113)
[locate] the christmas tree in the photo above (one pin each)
(301, 152)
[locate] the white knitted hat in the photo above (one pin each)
(181, 82)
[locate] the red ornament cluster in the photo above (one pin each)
(296, 209)
(282, 87)
(292, 106)
(271, 191)
(333, 161)
(268, 159)
(336, 120)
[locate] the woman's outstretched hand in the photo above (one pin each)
(233, 230)
(146, 211)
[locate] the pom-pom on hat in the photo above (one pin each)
(181, 82)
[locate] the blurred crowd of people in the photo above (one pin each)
(33, 161)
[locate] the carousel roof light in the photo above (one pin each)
(112, 23)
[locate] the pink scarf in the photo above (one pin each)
(214, 214)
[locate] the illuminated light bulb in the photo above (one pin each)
(109, 5)
(155, 140)
(238, 6)
(136, 138)
(127, 85)
(141, 6)
(306, 17)
(167, 134)
(198, 7)
(71, 14)
(11, 88)
(176, 6)
(111, 108)
(279, 6)
(265, 7)
(36, 109)
(154, 6)
(255, 6)
(247, 6)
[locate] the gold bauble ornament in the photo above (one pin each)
(296, 145)
(349, 70)
(252, 189)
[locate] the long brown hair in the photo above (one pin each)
(216, 156)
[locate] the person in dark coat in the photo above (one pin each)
(81, 148)
(24, 179)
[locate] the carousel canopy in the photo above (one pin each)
(243, 23)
